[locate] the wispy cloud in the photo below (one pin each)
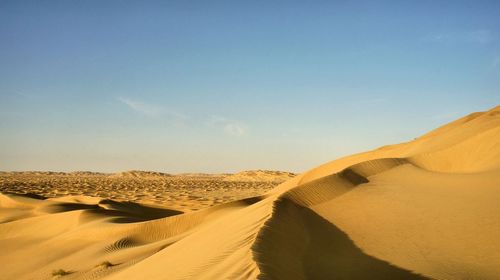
(141, 107)
(153, 110)
(229, 127)
(234, 129)
(480, 36)
(496, 61)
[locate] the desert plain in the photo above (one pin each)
(424, 209)
(183, 192)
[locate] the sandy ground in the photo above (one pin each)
(425, 209)
(184, 192)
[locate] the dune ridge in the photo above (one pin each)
(140, 174)
(424, 209)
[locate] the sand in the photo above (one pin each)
(183, 192)
(425, 209)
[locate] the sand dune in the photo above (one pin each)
(260, 176)
(140, 174)
(183, 192)
(425, 209)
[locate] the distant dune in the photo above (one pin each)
(424, 209)
(140, 174)
(183, 192)
(260, 176)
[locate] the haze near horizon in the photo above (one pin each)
(225, 86)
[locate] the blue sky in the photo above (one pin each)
(222, 86)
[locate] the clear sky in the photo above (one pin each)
(222, 86)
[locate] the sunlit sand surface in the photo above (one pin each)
(425, 209)
(184, 192)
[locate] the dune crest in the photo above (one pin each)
(425, 209)
(140, 174)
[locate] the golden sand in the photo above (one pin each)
(425, 209)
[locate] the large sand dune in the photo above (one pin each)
(425, 209)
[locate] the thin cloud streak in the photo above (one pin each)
(153, 111)
(227, 126)
(141, 107)
(480, 36)
(230, 127)
(496, 61)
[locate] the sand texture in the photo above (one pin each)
(425, 209)
(184, 192)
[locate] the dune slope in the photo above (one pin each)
(425, 209)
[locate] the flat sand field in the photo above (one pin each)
(184, 192)
(424, 209)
